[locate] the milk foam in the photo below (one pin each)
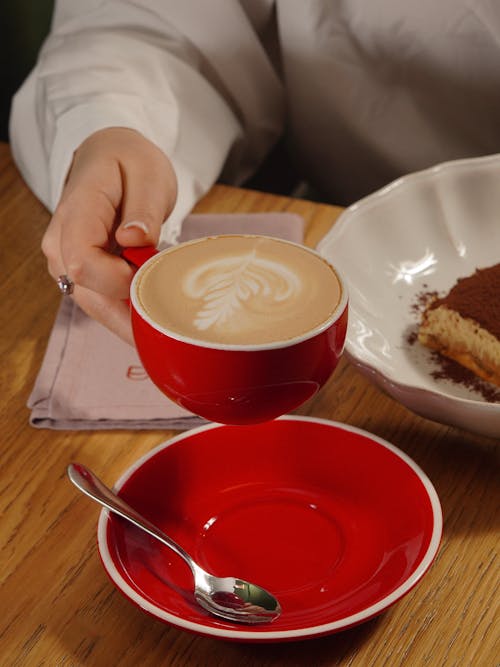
(229, 285)
(242, 290)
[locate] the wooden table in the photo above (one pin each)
(58, 607)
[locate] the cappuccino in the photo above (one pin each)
(238, 290)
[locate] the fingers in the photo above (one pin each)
(119, 191)
(147, 200)
(79, 241)
(111, 311)
(114, 314)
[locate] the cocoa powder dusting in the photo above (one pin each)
(477, 297)
(423, 299)
(454, 372)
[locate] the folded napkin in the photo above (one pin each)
(90, 379)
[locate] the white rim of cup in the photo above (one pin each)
(240, 347)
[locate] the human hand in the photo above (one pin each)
(119, 190)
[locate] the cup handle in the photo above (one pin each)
(137, 256)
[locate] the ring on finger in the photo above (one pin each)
(65, 284)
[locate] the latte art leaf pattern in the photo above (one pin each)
(227, 286)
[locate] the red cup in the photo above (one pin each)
(235, 384)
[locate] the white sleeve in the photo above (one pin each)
(148, 66)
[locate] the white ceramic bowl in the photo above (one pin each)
(419, 234)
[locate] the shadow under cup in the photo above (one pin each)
(237, 384)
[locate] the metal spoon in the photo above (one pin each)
(227, 597)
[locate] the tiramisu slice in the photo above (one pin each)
(465, 324)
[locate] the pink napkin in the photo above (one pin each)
(90, 379)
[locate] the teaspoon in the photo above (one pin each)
(227, 597)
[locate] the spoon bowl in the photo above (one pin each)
(227, 597)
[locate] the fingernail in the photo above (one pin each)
(136, 224)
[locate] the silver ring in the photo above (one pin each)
(65, 284)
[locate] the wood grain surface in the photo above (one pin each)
(58, 607)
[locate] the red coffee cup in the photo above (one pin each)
(235, 384)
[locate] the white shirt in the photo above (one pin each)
(365, 91)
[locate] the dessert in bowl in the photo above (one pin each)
(464, 324)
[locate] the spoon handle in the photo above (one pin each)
(85, 480)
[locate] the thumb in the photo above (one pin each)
(148, 199)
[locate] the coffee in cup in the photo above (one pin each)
(239, 290)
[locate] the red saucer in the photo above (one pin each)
(334, 521)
